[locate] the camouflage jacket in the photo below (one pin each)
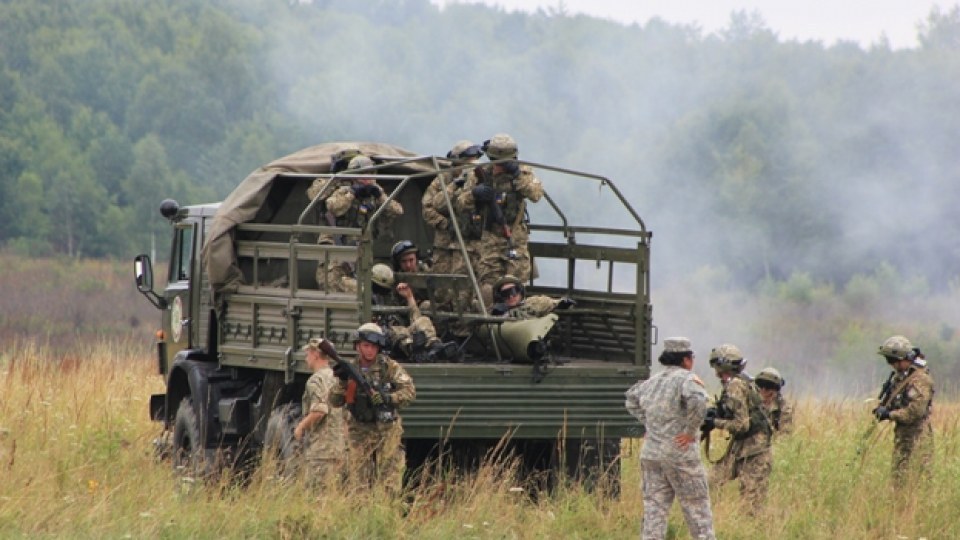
(327, 438)
(386, 374)
(437, 214)
(912, 397)
(780, 413)
(668, 404)
(512, 192)
(745, 417)
(533, 307)
(350, 211)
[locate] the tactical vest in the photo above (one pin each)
(362, 409)
(510, 200)
(758, 416)
(901, 400)
(359, 213)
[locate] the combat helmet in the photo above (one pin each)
(500, 146)
(371, 333)
(506, 280)
(341, 158)
(727, 358)
(382, 276)
(400, 249)
(359, 162)
(770, 378)
(464, 150)
(896, 348)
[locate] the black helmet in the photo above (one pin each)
(400, 249)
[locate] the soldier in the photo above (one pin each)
(375, 430)
(780, 412)
(906, 400)
(412, 336)
(509, 296)
(740, 411)
(447, 252)
(351, 206)
(322, 188)
(496, 196)
(671, 406)
(322, 432)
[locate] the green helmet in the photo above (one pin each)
(896, 347)
(506, 280)
(727, 357)
(382, 276)
(341, 158)
(372, 333)
(769, 376)
(500, 146)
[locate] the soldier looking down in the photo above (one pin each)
(770, 384)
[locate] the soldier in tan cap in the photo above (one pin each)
(323, 429)
(672, 405)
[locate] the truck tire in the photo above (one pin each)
(279, 443)
(595, 464)
(191, 458)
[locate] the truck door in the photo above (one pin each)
(178, 317)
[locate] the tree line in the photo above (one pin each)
(763, 156)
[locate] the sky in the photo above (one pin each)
(827, 21)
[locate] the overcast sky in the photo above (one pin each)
(863, 21)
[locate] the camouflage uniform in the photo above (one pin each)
(401, 329)
(351, 211)
(670, 403)
(910, 403)
(447, 256)
(490, 249)
(325, 442)
(780, 413)
(376, 448)
(748, 457)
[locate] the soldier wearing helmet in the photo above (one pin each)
(907, 399)
(352, 206)
(374, 442)
(411, 335)
(495, 196)
(510, 298)
(770, 384)
(441, 211)
(740, 411)
(670, 405)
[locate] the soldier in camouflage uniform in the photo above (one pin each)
(323, 187)
(501, 189)
(740, 411)
(907, 402)
(323, 431)
(780, 412)
(351, 206)
(376, 448)
(509, 297)
(671, 406)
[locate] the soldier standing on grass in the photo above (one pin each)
(780, 412)
(323, 431)
(375, 431)
(740, 411)
(907, 402)
(672, 405)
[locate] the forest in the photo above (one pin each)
(762, 157)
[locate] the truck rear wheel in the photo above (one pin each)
(279, 443)
(191, 458)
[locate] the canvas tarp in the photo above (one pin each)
(244, 202)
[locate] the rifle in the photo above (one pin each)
(497, 214)
(385, 413)
(866, 438)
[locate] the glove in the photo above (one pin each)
(359, 190)
(340, 371)
(712, 413)
(709, 423)
(882, 413)
(381, 398)
(484, 194)
(566, 303)
(374, 191)
(460, 181)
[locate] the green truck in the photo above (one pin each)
(242, 298)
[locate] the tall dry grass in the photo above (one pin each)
(76, 461)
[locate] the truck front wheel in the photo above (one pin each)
(191, 458)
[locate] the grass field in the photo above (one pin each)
(76, 461)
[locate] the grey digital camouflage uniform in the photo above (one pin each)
(670, 403)
(376, 449)
(748, 457)
(325, 446)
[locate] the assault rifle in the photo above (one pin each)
(496, 213)
(866, 438)
(385, 413)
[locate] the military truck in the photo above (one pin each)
(242, 298)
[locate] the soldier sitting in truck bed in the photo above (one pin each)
(351, 206)
(509, 296)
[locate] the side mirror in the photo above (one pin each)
(143, 274)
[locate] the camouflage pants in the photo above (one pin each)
(753, 472)
(912, 450)
(338, 278)
(450, 261)
(376, 454)
(404, 334)
(323, 473)
(664, 481)
(493, 263)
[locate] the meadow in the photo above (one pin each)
(77, 461)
